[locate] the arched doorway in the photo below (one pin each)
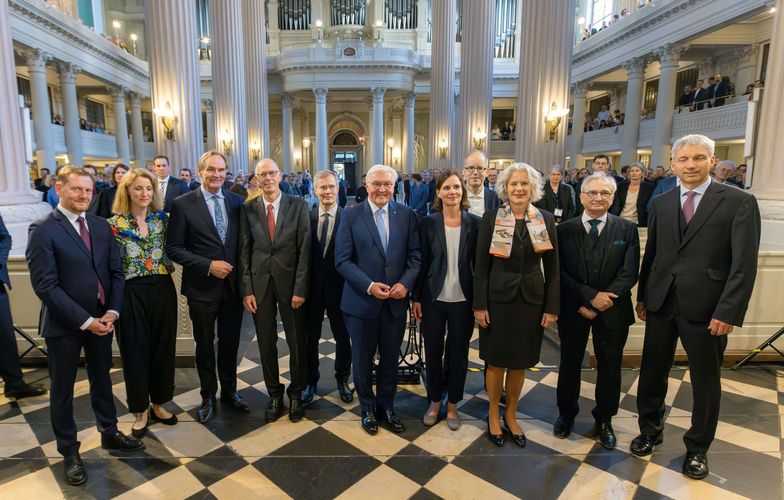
(346, 149)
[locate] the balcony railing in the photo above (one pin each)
(501, 149)
(94, 145)
(604, 140)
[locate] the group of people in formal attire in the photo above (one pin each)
(506, 259)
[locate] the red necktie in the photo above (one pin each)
(688, 206)
(86, 240)
(271, 220)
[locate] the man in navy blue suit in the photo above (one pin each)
(419, 195)
(377, 252)
(76, 271)
(168, 187)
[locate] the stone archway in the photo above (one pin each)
(346, 134)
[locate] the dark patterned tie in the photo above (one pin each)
(594, 232)
(323, 236)
(85, 235)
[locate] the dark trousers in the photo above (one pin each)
(228, 314)
(266, 319)
(457, 319)
(316, 305)
(608, 346)
(705, 352)
(384, 333)
(9, 354)
(63, 363)
(147, 333)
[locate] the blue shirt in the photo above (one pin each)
(211, 204)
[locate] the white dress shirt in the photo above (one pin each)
(275, 206)
(477, 202)
(585, 218)
(333, 213)
(452, 291)
(700, 190)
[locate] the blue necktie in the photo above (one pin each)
(382, 231)
(220, 222)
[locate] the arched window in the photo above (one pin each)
(344, 139)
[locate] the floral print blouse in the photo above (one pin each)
(142, 256)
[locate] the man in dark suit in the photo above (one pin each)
(601, 163)
(695, 283)
(722, 90)
(723, 172)
(419, 195)
(169, 187)
(686, 99)
(203, 238)
(342, 198)
(481, 199)
(10, 371)
(76, 271)
(326, 290)
(699, 96)
(186, 176)
(600, 258)
(711, 90)
(274, 252)
(377, 252)
(362, 192)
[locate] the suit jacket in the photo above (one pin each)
(361, 194)
(174, 188)
(498, 280)
(192, 241)
(699, 97)
(722, 91)
(407, 188)
(342, 199)
(620, 246)
(5, 249)
(418, 199)
(566, 200)
(285, 257)
(105, 202)
(491, 200)
(361, 260)
(643, 197)
(65, 274)
(712, 263)
(324, 278)
(432, 244)
(431, 191)
(662, 187)
(686, 99)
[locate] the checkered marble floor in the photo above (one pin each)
(328, 455)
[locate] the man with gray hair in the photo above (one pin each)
(695, 284)
(722, 174)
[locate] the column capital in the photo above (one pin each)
(580, 89)
(135, 98)
(36, 58)
(378, 94)
(67, 71)
(286, 100)
(669, 54)
(118, 93)
(208, 105)
(321, 95)
(635, 67)
(409, 99)
(397, 111)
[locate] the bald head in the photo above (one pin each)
(474, 167)
(268, 175)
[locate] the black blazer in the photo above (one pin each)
(5, 249)
(620, 245)
(105, 202)
(491, 200)
(497, 279)
(643, 196)
(361, 194)
(712, 263)
(174, 188)
(192, 241)
(285, 258)
(432, 245)
(324, 279)
(65, 274)
(565, 198)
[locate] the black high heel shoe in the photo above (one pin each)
(518, 439)
(496, 439)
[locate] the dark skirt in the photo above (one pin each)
(514, 338)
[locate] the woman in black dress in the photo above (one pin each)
(514, 301)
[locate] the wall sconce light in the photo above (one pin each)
(479, 138)
(133, 39)
(395, 156)
(319, 32)
(306, 143)
(297, 158)
(227, 141)
(362, 141)
(553, 120)
(255, 150)
(116, 25)
(581, 21)
(442, 148)
(168, 120)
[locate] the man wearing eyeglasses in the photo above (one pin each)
(474, 170)
(600, 255)
(377, 252)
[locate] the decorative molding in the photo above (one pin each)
(67, 72)
(286, 100)
(635, 67)
(378, 94)
(36, 59)
(118, 93)
(409, 99)
(669, 54)
(208, 106)
(580, 89)
(321, 95)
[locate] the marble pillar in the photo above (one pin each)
(137, 129)
(42, 113)
(209, 111)
(442, 82)
(322, 152)
(545, 64)
(579, 91)
(396, 134)
(73, 136)
(476, 76)
(286, 102)
(256, 73)
(409, 136)
(377, 138)
(121, 125)
(174, 79)
(635, 73)
(228, 82)
(668, 56)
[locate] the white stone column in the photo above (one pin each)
(121, 125)
(209, 110)
(545, 63)
(442, 82)
(137, 129)
(668, 56)
(367, 160)
(174, 78)
(286, 102)
(322, 153)
(635, 72)
(42, 113)
(378, 126)
(476, 75)
(256, 73)
(73, 137)
(409, 136)
(396, 133)
(579, 91)
(228, 81)
(298, 116)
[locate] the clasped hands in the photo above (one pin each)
(382, 291)
(601, 302)
(103, 325)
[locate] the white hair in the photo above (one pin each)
(727, 162)
(534, 178)
(382, 168)
(598, 176)
(693, 140)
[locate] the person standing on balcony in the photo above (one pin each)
(700, 96)
(686, 99)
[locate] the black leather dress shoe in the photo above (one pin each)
(75, 474)
(24, 390)
(695, 465)
(121, 442)
(518, 439)
(296, 411)
(389, 420)
(235, 401)
(275, 409)
(165, 421)
(496, 439)
(605, 435)
(206, 411)
(562, 427)
(643, 445)
(307, 393)
(369, 423)
(346, 394)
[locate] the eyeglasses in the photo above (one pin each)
(267, 174)
(474, 169)
(596, 194)
(379, 185)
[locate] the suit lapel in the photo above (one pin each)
(441, 231)
(464, 228)
(707, 205)
(367, 216)
(201, 207)
(68, 228)
(283, 211)
(609, 238)
(579, 231)
(331, 244)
